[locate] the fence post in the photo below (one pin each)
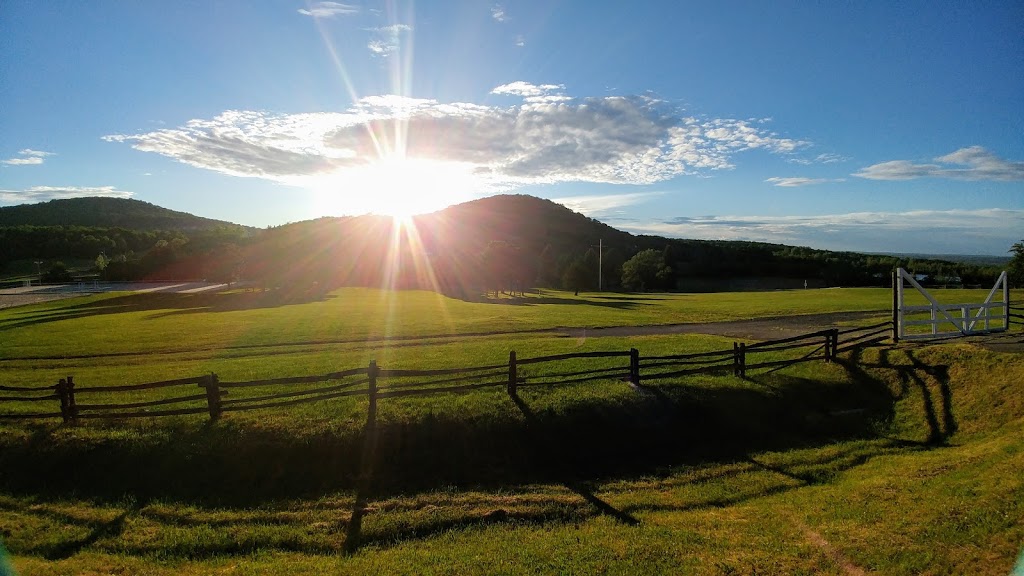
(895, 307)
(212, 395)
(835, 343)
(634, 366)
(828, 346)
(72, 406)
(371, 411)
(743, 360)
(365, 478)
(735, 359)
(513, 373)
(62, 394)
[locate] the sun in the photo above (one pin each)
(396, 186)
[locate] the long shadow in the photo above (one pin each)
(924, 378)
(589, 439)
(553, 460)
(69, 548)
(616, 304)
(176, 303)
(578, 445)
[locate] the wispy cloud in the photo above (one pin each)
(826, 158)
(498, 13)
(520, 40)
(328, 9)
(983, 231)
(547, 138)
(972, 163)
(27, 157)
(604, 205)
(43, 193)
(388, 39)
(799, 181)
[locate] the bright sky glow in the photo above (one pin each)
(873, 127)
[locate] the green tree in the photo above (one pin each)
(577, 276)
(57, 273)
(547, 268)
(645, 270)
(1016, 267)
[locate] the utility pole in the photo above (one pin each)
(600, 259)
(39, 271)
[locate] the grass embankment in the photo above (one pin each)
(897, 461)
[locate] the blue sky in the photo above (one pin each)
(868, 127)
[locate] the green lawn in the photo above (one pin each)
(900, 461)
(126, 323)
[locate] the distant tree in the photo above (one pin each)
(1015, 269)
(547, 268)
(57, 273)
(577, 276)
(101, 262)
(224, 265)
(646, 270)
(611, 269)
(506, 268)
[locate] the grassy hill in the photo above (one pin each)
(106, 213)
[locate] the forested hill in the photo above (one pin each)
(507, 242)
(515, 241)
(96, 212)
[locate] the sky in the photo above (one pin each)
(869, 126)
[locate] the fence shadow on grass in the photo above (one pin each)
(590, 439)
(591, 442)
(912, 374)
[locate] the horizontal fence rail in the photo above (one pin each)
(207, 394)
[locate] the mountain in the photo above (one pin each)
(529, 241)
(515, 241)
(98, 212)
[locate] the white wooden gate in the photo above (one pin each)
(949, 320)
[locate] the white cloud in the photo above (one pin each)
(388, 39)
(527, 90)
(498, 13)
(983, 231)
(972, 163)
(43, 193)
(548, 138)
(36, 153)
(604, 205)
(22, 161)
(328, 9)
(799, 181)
(520, 41)
(29, 157)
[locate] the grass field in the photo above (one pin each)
(891, 460)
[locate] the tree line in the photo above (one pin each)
(375, 251)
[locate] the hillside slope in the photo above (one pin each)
(106, 213)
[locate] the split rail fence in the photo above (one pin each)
(207, 394)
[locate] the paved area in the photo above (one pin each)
(23, 295)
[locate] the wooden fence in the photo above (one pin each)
(1014, 315)
(207, 394)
